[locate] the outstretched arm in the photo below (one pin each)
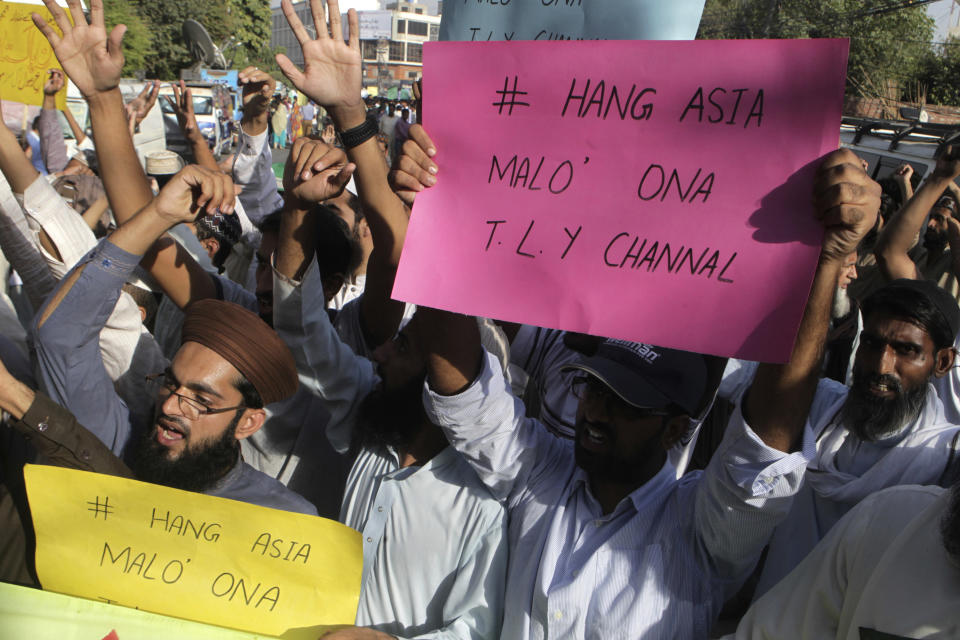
(51, 135)
(846, 202)
(899, 234)
(94, 63)
(183, 108)
(332, 78)
(258, 87)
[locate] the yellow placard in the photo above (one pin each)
(190, 555)
(25, 54)
(42, 615)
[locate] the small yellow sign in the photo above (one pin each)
(25, 54)
(190, 555)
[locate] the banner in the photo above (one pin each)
(42, 615)
(649, 191)
(570, 20)
(190, 555)
(26, 55)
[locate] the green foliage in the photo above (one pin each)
(939, 74)
(250, 25)
(166, 17)
(137, 45)
(888, 46)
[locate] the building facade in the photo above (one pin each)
(388, 62)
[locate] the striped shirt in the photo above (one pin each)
(660, 565)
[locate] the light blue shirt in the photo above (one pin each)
(434, 538)
(659, 566)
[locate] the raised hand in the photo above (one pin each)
(54, 82)
(92, 60)
(846, 201)
(903, 173)
(140, 106)
(183, 108)
(414, 170)
(191, 191)
(948, 163)
(315, 171)
(258, 87)
(331, 74)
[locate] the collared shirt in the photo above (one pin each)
(847, 469)
(882, 568)
(434, 544)
(659, 566)
(73, 373)
(20, 247)
(128, 351)
(351, 290)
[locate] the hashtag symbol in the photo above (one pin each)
(512, 93)
(99, 508)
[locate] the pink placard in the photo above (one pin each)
(650, 191)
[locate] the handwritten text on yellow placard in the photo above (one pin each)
(190, 555)
(25, 54)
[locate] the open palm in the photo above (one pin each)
(92, 60)
(332, 68)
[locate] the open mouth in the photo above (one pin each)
(884, 388)
(168, 432)
(594, 438)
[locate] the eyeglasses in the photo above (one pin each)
(165, 384)
(591, 389)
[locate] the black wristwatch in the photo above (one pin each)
(361, 133)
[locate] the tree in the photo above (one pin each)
(883, 46)
(939, 73)
(137, 44)
(250, 25)
(166, 17)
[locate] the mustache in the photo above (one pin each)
(885, 379)
(178, 424)
(602, 427)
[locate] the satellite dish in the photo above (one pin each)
(201, 46)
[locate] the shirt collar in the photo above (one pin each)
(229, 477)
(649, 493)
(442, 459)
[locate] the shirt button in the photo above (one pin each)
(85, 454)
(369, 539)
(379, 509)
(598, 523)
(42, 427)
(558, 615)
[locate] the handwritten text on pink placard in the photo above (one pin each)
(649, 191)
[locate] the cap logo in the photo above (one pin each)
(644, 351)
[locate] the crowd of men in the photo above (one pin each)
(508, 481)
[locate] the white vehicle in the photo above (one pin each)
(206, 108)
(148, 138)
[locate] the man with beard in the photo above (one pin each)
(889, 570)
(212, 394)
(609, 542)
(434, 552)
(887, 429)
(287, 437)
